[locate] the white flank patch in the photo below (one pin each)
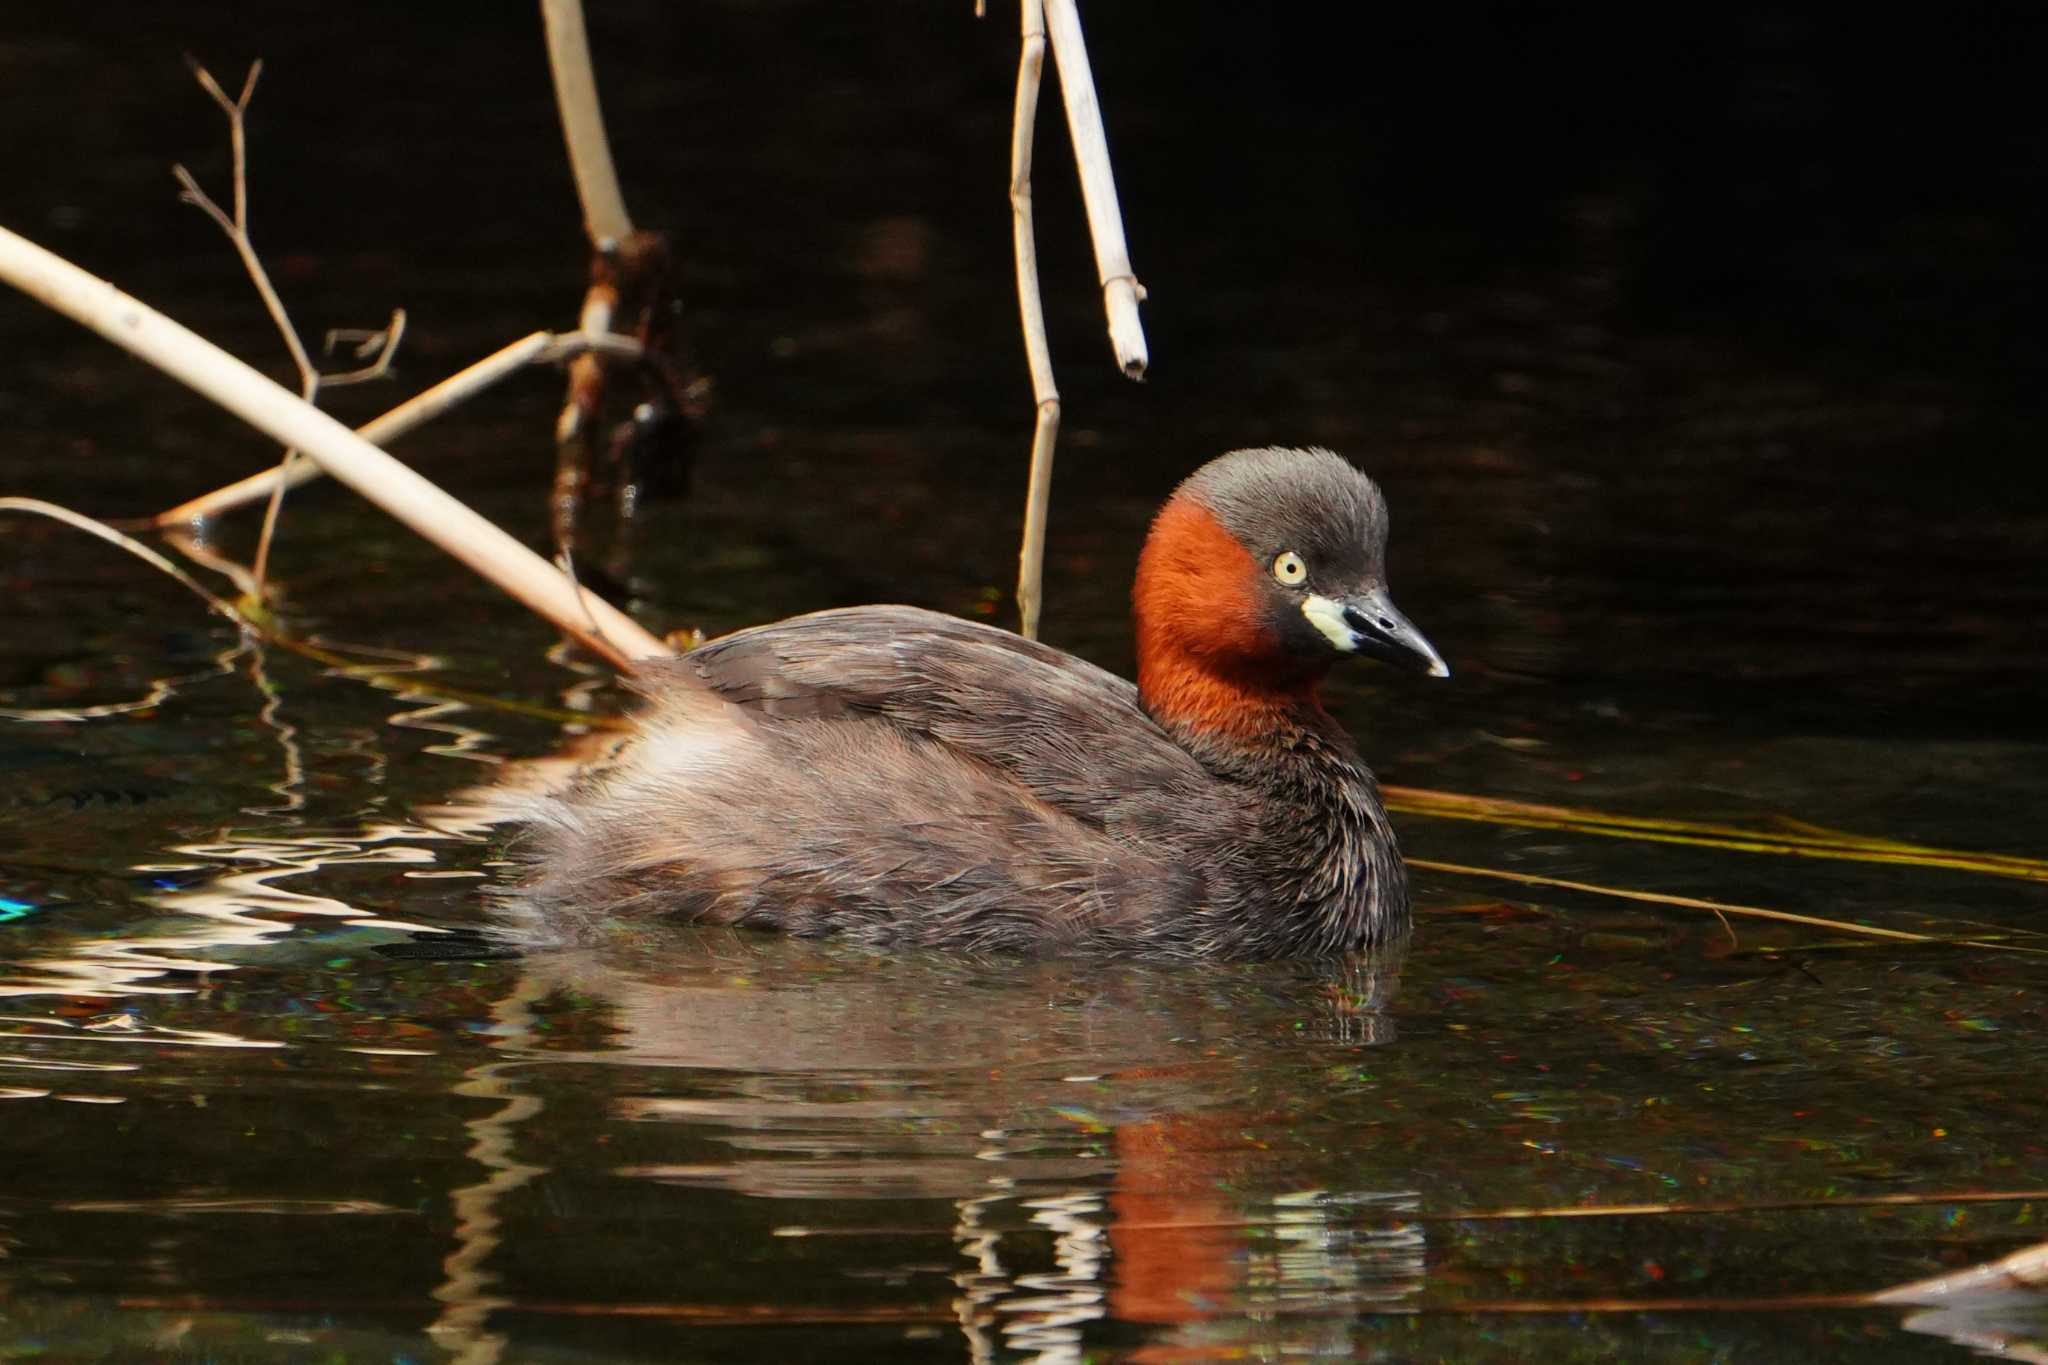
(683, 750)
(1327, 616)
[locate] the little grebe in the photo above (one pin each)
(892, 775)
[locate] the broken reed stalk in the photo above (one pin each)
(628, 290)
(417, 411)
(1121, 291)
(607, 225)
(1031, 309)
(197, 363)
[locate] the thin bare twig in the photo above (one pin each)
(1037, 350)
(379, 347)
(94, 527)
(133, 325)
(258, 628)
(236, 227)
(607, 225)
(565, 560)
(159, 688)
(1721, 908)
(1846, 1201)
(1532, 1213)
(1803, 841)
(189, 543)
(538, 348)
(237, 230)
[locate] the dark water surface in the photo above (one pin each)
(1703, 375)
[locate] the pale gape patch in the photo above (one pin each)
(1327, 616)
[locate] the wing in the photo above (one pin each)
(1070, 733)
(847, 828)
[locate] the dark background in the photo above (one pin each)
(1697, 348)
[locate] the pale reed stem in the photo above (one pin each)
(1037, 351)
(1121, 291)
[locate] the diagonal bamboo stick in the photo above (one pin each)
(197, 363)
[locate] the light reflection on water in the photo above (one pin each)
(159, 691)
(1031, 1159)
(211, 926)
(1045, 1214)
(1028, 1159)
(1046, 1194)
(1068, 1202)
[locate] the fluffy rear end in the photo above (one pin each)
(844, 827)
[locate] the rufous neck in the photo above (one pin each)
(1196, 702)
(1209, 663)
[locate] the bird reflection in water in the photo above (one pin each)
(837, 1076)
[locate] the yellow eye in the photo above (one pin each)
(1289, 569)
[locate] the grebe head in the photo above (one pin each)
(1263, 569)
